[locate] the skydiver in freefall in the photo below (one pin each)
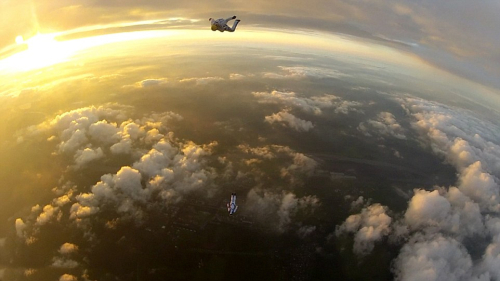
(221, 24)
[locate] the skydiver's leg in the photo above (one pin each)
(231, 18)
(231, 29)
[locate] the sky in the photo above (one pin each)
(460, 36)
(434, 229)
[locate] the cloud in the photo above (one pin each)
(289, 120)
(68, 248)
(313, 105)
(278, 207)
(236, 76)
(385, 125)
(370, 226)
(299, 163)
(440, 221)
(147, 83)
(153, 82)
(49, 212)
(64, 263)
(306, 230)
(433, 258)
(68, 277)
(88, 133)
(83, 157)
(20, 227)
(202, 80)
(151, 170)
(167, 171)
(305, 71)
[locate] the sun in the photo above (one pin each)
(42, 50)
(41, 43)
(19, 39)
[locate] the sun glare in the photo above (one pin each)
(41, 43)
(19, 39)
(42, 51)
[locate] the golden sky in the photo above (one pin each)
(461, 36)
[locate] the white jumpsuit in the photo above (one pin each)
(221, 24)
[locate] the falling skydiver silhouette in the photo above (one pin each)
(221, 24)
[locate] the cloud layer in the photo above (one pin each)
(153, 170)
(437, 223)
(314, 104)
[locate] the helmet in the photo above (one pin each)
(214, 27)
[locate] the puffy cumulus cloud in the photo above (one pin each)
(441, 221)
(433, 257)
(201, 80)
(451, 212)
(159, 170)
(20, 227)
(267, 152)
(480, 186)
(68, 277)
(278, 207)
(313, 105)
(49, 212)
(369, 226)
(304, 71)
(385, 124)
(83, 157)
(166, 172)
(289, 120)
(64, 263)
(68, 248)
(469, 144)
(299, 163)
(89, 133)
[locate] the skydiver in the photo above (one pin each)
(221, 24)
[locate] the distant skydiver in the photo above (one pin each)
(221, 24)
(231, 206)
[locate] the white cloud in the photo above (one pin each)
(289, 120)
(313, 105)
(169, 171)
(68, 248)
(236, 76)
(385, 124)
(299, 163)
(278, 207)
(153, 82)
(305, 71)
(201, 80)
(64, 263)
(162, 171)
(48, 213)
(87, 155)
(20, 228)
(68, 277)
(103, 132)
(433, 257)
(147, 83)
(439, 221)
(370, 226)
